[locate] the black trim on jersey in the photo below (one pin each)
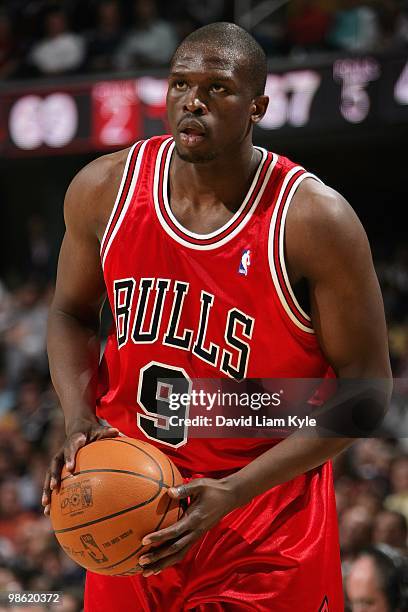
(208, 355)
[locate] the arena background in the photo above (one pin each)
(78, 79)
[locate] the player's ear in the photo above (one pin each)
(258, 108)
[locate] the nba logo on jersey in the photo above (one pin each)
(245, 262)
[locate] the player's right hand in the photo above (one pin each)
(82, 431)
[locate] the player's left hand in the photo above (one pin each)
(210, 501)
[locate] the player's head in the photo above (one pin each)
(215, 95)
(390, 528)
(375, 582)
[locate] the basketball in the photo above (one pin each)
(115, 497)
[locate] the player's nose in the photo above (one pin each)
(194, 103)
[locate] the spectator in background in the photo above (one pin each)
(8, 581)
(355, 532)
(368, 498)
(398, 500)
(70, 603)
(39, 249)
(25, 337)
(5, 307)
(355, 27)
(31, 540)
(12, 515)
(397, 276)
(32, 411)
(104, 40)
(387, 13)
(60, 51)
(7, 395)
(202, 12)
(391, 528)
(150, 43)
(9, 52)
(371, 460)
(188, 15)
(375, 582)
(307, 25)
(401, 26)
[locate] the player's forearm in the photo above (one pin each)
(356, 409)
(73, 351)
(290, 458)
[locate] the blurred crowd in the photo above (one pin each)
(49, 37)
(371, 478)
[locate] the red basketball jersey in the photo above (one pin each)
(190, 306)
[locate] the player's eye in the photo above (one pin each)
(180, 85)
(217, 88)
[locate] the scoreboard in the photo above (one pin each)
(50, 117)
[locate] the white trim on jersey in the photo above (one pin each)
(230, 222)
(281, 237)
(128, 198)
(228, 237)
(118, 196)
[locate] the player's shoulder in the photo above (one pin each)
(320, 210)
(322, 227)
(313, 202)
(102, 176)
(98, 179)
(92, 192)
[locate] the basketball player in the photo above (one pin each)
(200, 241)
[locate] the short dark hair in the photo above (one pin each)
(392, 572)
(239, 43)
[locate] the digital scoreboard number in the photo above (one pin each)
(35, 121)
(350, 92)
(113, 114)
(45, 121)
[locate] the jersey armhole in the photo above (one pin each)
(276, 250)
(123, 197)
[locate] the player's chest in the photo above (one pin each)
(204, 301)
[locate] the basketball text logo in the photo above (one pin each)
(75, 498)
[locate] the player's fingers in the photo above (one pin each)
(157, 567)
(185, 490)
(46, 494)
(188, 522)
(105, 432)
(55, 470)
(47, 510)
(171, 549)
(71, 447)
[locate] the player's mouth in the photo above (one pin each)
(192, 134)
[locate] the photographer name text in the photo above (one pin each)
(252, 420)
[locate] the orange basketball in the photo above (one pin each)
(115, 497)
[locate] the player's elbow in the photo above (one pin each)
(62, 318)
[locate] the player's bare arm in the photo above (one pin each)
(326, 244)
(73, 328)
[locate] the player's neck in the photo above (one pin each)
(225, 179)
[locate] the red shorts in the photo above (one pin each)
(278, 553)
